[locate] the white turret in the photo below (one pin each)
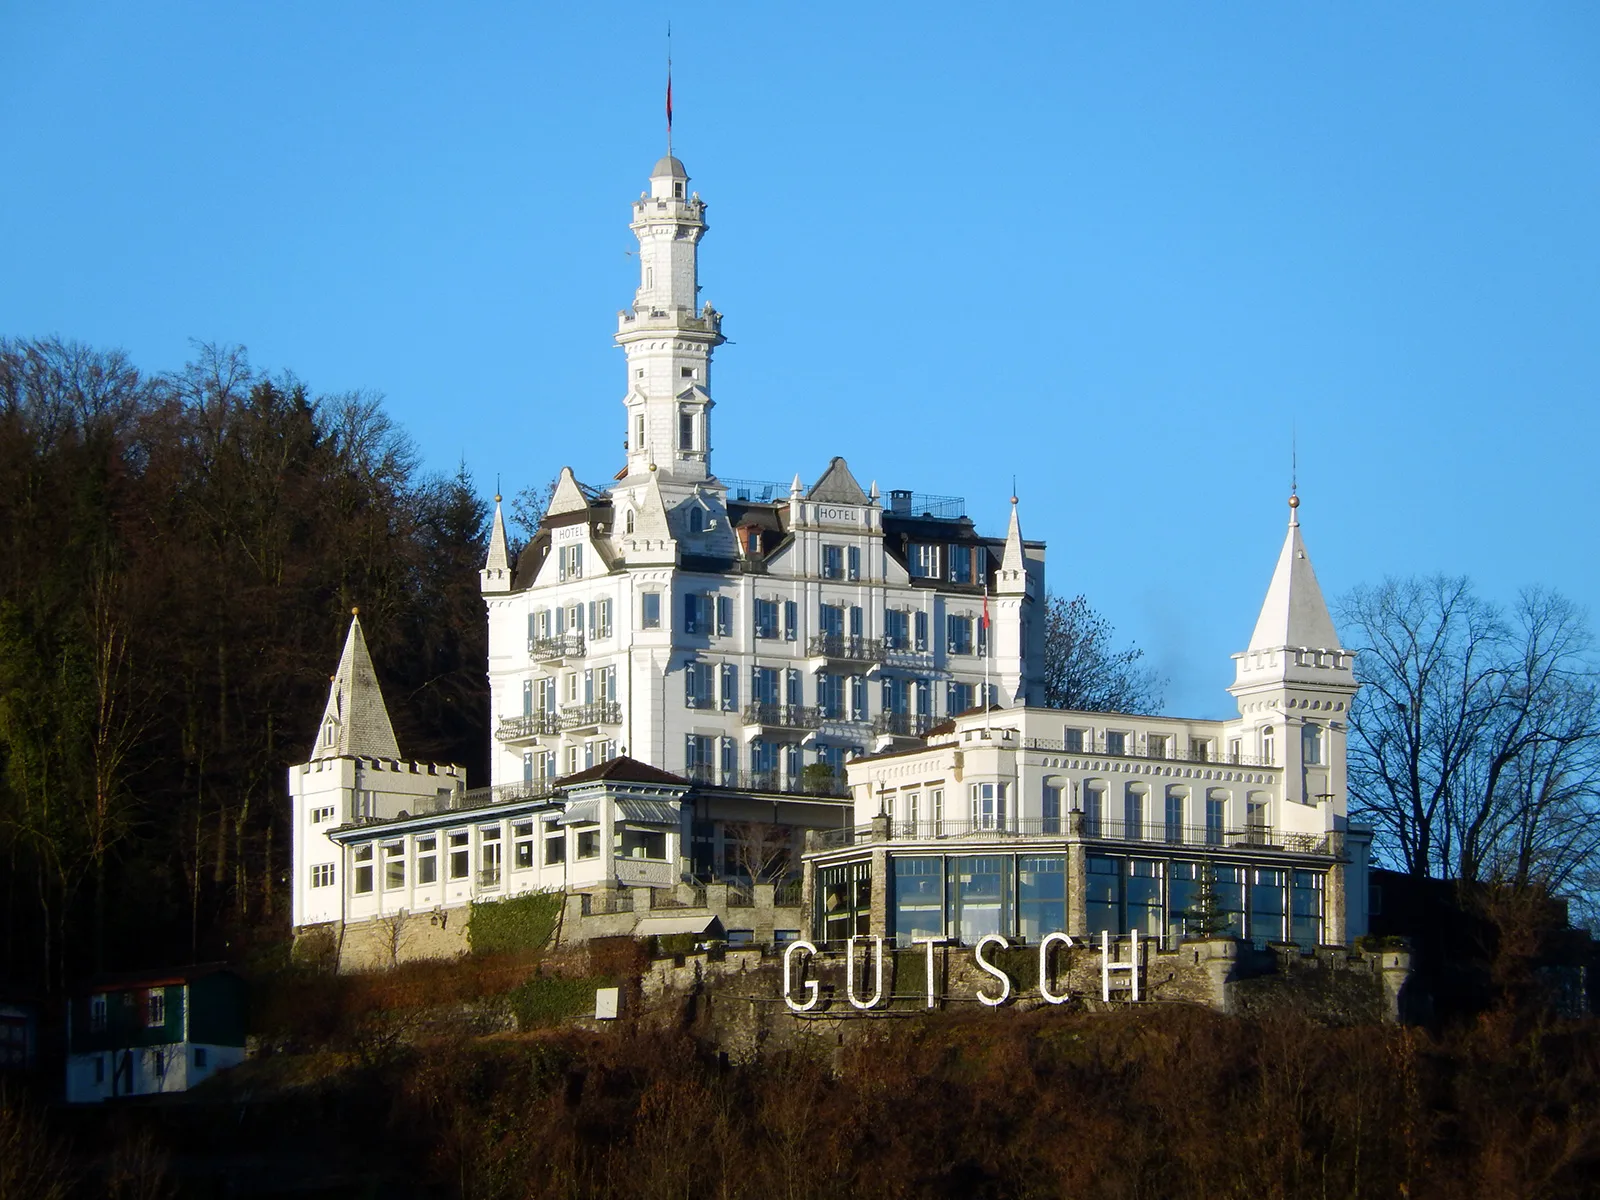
(1295, 681)
(668, 335)
(496, 573)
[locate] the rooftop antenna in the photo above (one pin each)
(669, 89)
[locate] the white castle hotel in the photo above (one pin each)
(696, 679)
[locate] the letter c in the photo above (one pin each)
(1045, 993)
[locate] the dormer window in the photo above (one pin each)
(627, 522)
(677, 190)
(697, 521)
(330, 731)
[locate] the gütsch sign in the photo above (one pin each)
(794, 971)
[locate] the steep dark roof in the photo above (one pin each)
(623, 770)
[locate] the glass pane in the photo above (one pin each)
(978, 896)
(1041, 896)
(918, 898)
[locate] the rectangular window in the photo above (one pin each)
(858, 623)
(697, 756)
(920, 639)
(791, 620)
(394, 866)
(1041, 896)
(764, 686)
(1103, 895)
(489, 856)
(1216, 803)
(555, 845)
(936, 810)
(896, 630)
(200, 1058)
(643, 843)
(852, 558)
(322, 875)
(1072, 739)
(918, 898)
(1305, 908)
(570, 564)
(959, 639)
(603, 620)
(978, 896)
(1174, 816)
(588, 843)
(685, 429)
(363, 860)
(97, 1013)
(522, 845)
(830, 696)
(832, 617)
(988, 803)
(155, 1007)
(1311, 744)
(724, 616)
(697, 685)
(833, 562)
(766, 618)
(1116, 743)
(692, 607)
(844, 900)
(924, 561)
(1267, 908)
(321, 815)
(913, 807)
(1094, 803)
(1050, 810)
(460, 842)
(650, 610)
(960, 564)
(1133, 811)
(428, 859)
(1200, 749)
(958, 699)
(1156, 744)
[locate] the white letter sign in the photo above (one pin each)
(850, 972)
(1045, 993)
(930, 943)
(810, 985)
(1005, 980)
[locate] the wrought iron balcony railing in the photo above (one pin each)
(902, 724)
(527, 726)
(585, 716)
(783, 716)
(845, 649)
(567, 645)
(1148, 834)
(1133, 747)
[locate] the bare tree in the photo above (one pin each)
(528, 508)
(1475, 740)
(760, 850)
(1084, 670)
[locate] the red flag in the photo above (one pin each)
(669, 102)
(986, 610)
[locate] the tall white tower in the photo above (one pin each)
(668, 336)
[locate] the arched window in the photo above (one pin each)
(1268, 749)
(627, 522)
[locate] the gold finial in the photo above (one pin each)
(497, 497)
(355, 611)
(1294, 501)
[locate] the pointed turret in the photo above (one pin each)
(1294, 614)
(496, 573)
(355, 723)
(1013, 576)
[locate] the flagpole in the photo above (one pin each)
(988, 648)
(669, 89)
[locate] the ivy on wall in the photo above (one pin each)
(517, 924)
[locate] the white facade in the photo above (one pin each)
(737, 632)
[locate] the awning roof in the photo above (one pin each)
(665, 926)
(581, 812)
(649, 812)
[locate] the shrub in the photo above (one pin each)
(517, 924)
(550, 999)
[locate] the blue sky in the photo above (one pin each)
(1118, 251)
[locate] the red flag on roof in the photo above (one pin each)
(986, 610)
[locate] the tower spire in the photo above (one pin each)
(669, 89)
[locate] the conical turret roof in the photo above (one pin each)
(355, 723)
(1294, 613)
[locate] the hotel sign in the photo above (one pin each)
(800, 955)
(838, 514)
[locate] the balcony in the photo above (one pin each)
(1131, 748)
(589, 716)
(505, 793)
(526, 727)
(817, 783)
(902, 725)
(783, 716)
(556, 649)
(1067, 827)
(837, 647)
